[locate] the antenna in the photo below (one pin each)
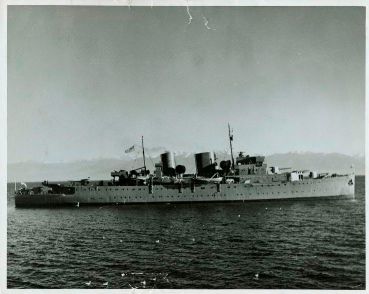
(143, 152)
(230, 144)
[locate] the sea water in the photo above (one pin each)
(313, 244)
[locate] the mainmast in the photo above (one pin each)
(230, 144)
(143, 152)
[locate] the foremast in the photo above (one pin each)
(230, 136)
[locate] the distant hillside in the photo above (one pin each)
(321, 162)
(101, 168)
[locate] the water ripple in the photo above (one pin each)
(289, 244)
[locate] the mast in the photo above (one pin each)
(230, 144)
(143, 152)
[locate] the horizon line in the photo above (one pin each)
(125, 157)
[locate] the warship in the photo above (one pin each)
(241, 179)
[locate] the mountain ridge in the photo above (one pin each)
(100, 168)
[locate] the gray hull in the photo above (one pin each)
(331, 187)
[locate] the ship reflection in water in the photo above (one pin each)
(268, 244)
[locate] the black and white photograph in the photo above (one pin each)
(189, 145)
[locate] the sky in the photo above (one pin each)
(88, 82)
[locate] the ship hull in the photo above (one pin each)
(340, 187)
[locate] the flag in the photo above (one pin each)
(130, 149)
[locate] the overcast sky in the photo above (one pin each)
(87, 82)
